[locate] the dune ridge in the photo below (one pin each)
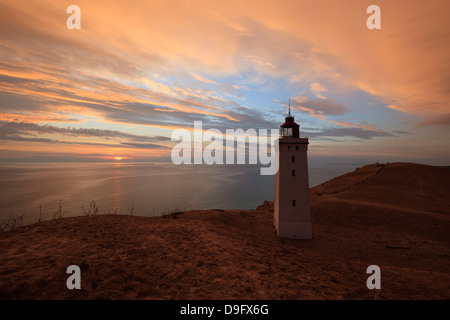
(396, 216)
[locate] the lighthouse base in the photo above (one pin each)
(294, 230)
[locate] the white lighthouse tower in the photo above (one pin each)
(292, 215)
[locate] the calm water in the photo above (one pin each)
(151, 188)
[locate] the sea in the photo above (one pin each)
(32, 192)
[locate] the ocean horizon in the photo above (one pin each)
(35, 190)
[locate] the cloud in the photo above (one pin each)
(441, 121)
(352, 125)
(102, 96)
(152, 64)
(359, 133)
(83, 143)
(202, 79)
(16, 130)
(405, 64)
(319, 108)
(317, 89)
(144, 145)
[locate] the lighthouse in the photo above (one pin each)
(292, 215)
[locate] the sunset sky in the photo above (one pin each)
(139, 69)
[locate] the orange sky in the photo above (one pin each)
(137, 70)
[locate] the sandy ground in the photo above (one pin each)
(396, 216)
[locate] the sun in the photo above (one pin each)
(118, 158)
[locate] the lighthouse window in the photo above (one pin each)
(293, 173)
(293, 159)
(293, 203)
(286, 132)
(289, 148)
(296, 147)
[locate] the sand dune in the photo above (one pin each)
(396, 216)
